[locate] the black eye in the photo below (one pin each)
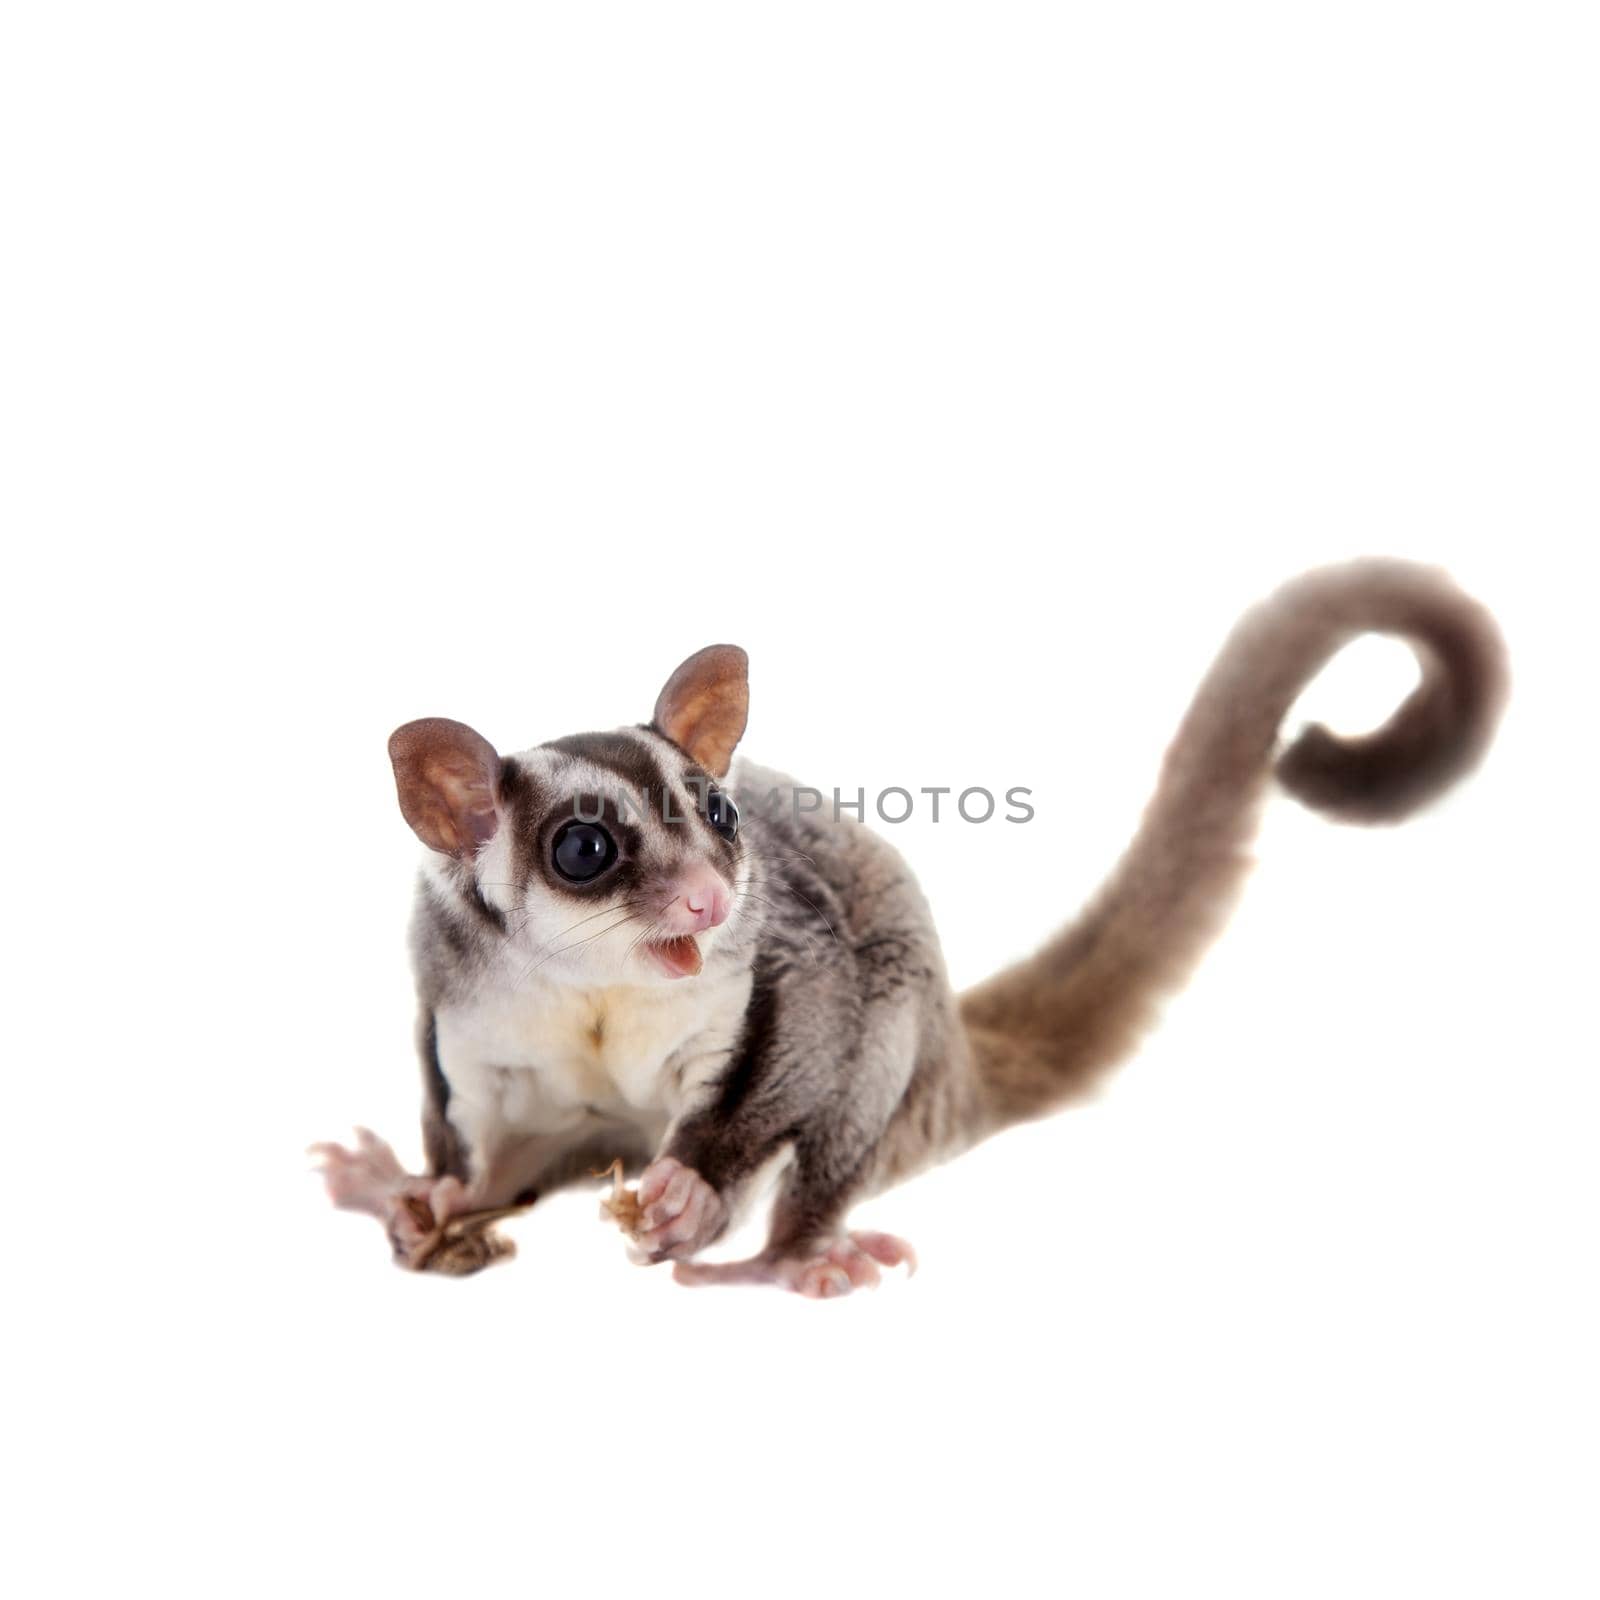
(722, 813)
(583, 851)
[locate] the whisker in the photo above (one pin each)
(812, 903)
(783, 855)
(576, 944)
(789, 888)
(650, 927)
(779, 926)
(620, 905)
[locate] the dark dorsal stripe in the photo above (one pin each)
(628, 756)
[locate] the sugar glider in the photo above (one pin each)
(624, 950)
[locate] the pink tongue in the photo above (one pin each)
(680, 955)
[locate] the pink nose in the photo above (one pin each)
(703, 898)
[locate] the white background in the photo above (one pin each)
(972, 366)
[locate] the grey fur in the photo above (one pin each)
(827, 1042)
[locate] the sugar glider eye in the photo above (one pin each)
(582, 851)
(722, 813)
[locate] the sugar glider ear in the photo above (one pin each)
(447, 776)
(703, 708)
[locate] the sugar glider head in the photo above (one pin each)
(600, 858)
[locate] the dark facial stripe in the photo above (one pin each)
(490, 914)
(471, 901)
(523, 799)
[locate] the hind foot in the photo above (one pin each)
(824, 1272)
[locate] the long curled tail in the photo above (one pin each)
(1048, 1026)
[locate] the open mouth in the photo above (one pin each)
(678, 958)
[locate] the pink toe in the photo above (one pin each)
(886, 1250)
(656, 1179)
(675, 1197)
(826, 1283)
(857, 1265)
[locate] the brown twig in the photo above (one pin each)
(464, 1243)
(622, 1204)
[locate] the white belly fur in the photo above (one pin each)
(552, 1059)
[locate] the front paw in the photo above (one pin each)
(679, 1212)
(429, 1221)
